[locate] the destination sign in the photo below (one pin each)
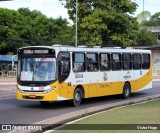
(36, 52)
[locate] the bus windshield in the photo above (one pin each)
(37, 69)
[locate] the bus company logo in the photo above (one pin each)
(127, 76)
(32, 88)
(105, 77)
(78, 75)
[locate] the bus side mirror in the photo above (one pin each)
(14, 68)
(13, 59)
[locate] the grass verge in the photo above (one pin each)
(138, 114)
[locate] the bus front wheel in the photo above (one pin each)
(77, 97)
(126, 90)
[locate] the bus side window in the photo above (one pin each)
(136, 61)
(127, 64)
(145, 61)
(78, 62)
(104, 62)
(92, 61)
(116, 61)
(63, 66)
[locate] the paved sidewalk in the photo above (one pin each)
(7, 91)
(7, 81)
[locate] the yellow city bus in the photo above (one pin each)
(50, 73)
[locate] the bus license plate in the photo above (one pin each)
(32, 96)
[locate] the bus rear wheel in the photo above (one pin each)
(126, 90)
(77, 97)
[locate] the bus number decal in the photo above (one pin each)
(79, 75)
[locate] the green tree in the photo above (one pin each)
(146, 38)
(156, 16)
(104, 22)
(8, 29)
(25, 27)
(143, 16)
(153, 21)
(45, 30)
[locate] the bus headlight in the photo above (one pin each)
(50, 89)
(19, 89)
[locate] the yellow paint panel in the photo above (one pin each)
(142, 82)
(91, 90)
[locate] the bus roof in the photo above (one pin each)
(79, 49)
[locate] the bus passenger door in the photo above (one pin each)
(63, 62)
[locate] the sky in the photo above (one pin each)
(51, 8)
(54, 8)
(153, 6)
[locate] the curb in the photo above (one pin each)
(55, 122)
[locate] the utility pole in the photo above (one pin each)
(76, 22)
(142, 29)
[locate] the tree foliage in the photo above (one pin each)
(104, 22)
(153, 21)
(156, 16)
(24, 27)
(143, 16)
(146, 38)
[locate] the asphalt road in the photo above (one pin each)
(13, 111)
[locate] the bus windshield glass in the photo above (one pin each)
(37, 69)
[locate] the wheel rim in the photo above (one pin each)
(127, 90)
(77, 98)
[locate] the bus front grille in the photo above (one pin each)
(32, 97)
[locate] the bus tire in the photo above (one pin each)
(77, 97)
(44, 103)
(126, 90)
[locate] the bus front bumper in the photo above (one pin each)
(50, 96)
